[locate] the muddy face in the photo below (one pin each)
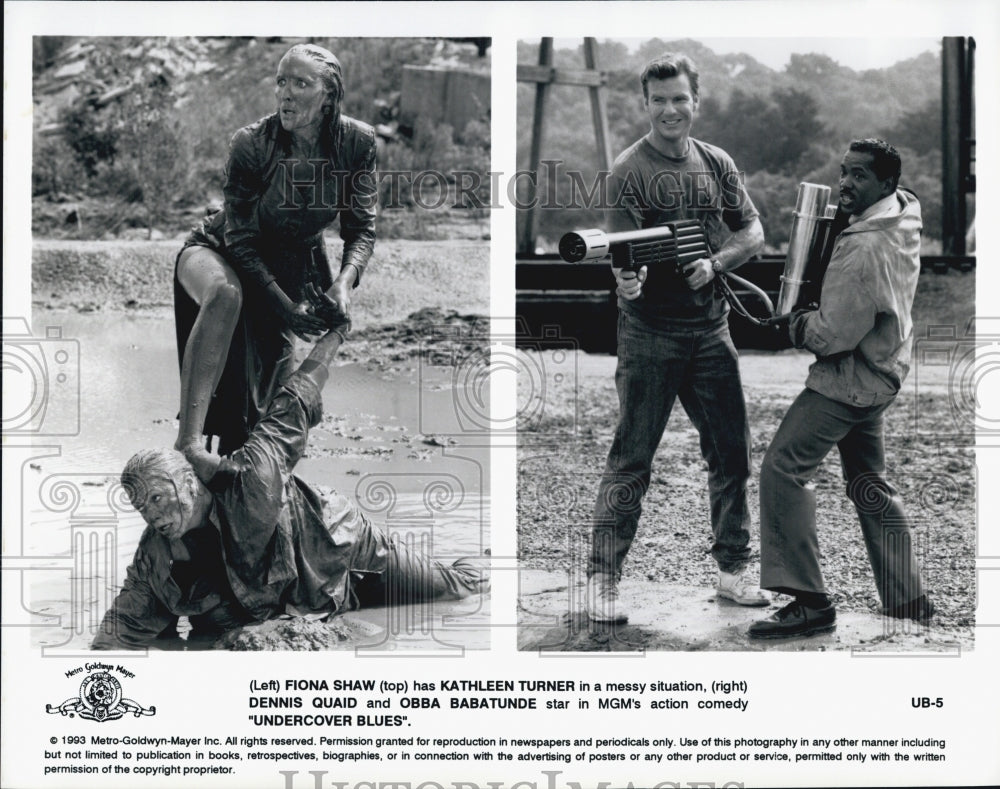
(301, 95)
(168, 505)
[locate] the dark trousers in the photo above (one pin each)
(654, 368)
(391, 571)
(789, 549)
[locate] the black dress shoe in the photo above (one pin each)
(795, 619)
(919, 610)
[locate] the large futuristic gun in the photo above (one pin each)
(664, 251)
(667, 248)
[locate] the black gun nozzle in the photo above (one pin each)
(572, 247)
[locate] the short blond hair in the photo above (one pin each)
(149, 464)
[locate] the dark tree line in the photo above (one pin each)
(763, 132)
(781, 127)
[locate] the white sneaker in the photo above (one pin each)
(738, 588)
(602, 599)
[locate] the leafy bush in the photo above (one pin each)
(90, 137)
(57, 169)
(157, 157)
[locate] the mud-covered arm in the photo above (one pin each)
(255, 503)
(357, 219)
(255, 498)
(136, 617)
(277, 443)
(242, 192)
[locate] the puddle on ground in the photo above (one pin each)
(398, 445)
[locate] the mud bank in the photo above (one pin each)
(402, 277)
(300, 634)
(419, 300)
(440, 627)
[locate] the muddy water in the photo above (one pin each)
(396, 444)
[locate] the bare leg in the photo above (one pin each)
(210, 281)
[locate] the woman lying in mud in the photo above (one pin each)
(255, 275)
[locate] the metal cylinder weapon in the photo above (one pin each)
(804, 264)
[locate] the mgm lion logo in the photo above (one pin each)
(100, 700)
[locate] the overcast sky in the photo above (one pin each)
(856, 53)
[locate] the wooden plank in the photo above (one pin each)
(560, 76)
(526, 243)
(597, 108)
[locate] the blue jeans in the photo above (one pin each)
(789, 548)
(699, 365)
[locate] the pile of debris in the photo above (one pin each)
(94, 71)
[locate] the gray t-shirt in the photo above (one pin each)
(648, 188)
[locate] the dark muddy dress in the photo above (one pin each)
(271, 229)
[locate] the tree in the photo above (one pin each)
(152, 145)
(812, 67)
(613, 56)
(763, 132)
(89, 137)
(773, 194)
(919, 129)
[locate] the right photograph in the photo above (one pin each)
(747, 404)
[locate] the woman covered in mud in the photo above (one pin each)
(255, 275)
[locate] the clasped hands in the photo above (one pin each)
(317, 314)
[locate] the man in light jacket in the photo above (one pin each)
(861, 335)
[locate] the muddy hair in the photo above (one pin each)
(885, 159)
(667, 65)
(149, 464)
(332, 75)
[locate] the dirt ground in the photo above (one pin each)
(564, 443)
(401, 278)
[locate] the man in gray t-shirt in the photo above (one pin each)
(674, 342)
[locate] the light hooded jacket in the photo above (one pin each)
(861, 334)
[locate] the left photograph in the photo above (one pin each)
(255, 371)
